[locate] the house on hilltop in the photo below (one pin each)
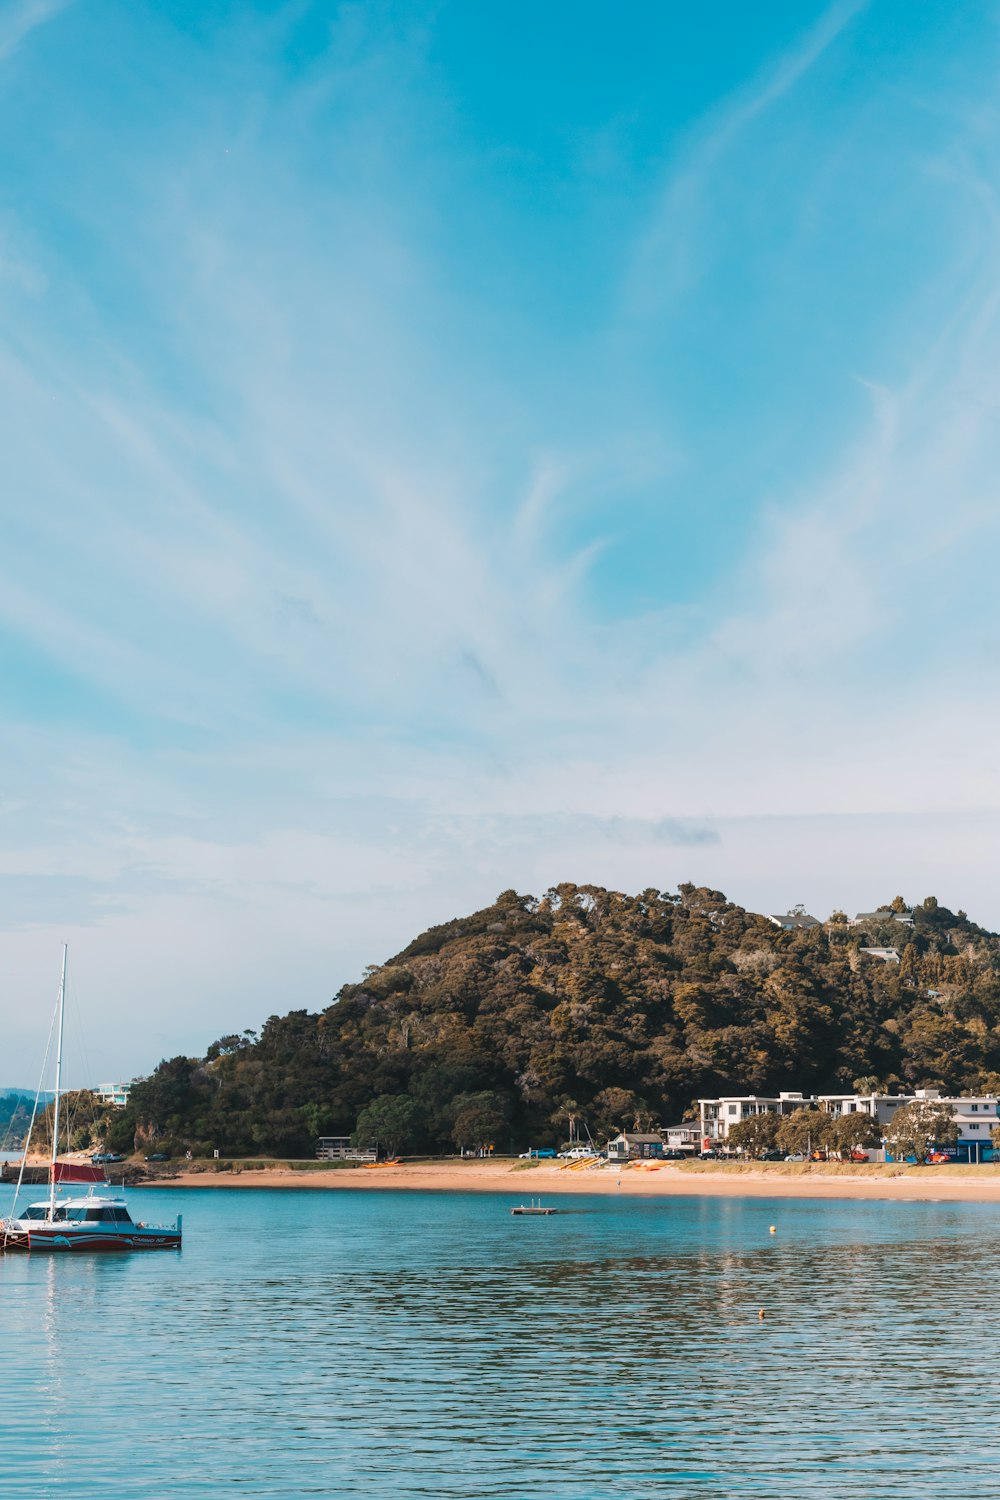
(881, 918)
(794, 921)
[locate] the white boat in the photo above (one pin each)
(95, 1220)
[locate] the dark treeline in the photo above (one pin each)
(609, 1007)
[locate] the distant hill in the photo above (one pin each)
(599, 1005)
(15, 1114)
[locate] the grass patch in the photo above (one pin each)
(838, 1168)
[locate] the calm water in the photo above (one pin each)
(413, 1344)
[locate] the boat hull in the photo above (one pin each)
(68, 1238)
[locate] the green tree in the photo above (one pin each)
(392, 1123)
(479, 1120)
(867, 1084)
(615, 1109)
(918, 1126)
(855, 1131)
(803, 1130)
(754, 1135)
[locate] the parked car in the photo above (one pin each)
(158, 1156)
(773, 1156)
(711, 1156)
(796, 1156)
(537, 1153)
(107, 1156)
(577, 1153)
(674, 1153)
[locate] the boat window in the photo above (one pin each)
(101, 1215)
(122, 1216)
(37, 1211)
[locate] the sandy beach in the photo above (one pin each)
(972, 1184)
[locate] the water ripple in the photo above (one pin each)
(421, 1345)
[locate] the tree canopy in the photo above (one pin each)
(919, 1126)
(754, 1135)
(614, 1008)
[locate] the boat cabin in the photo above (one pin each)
(86, 1212)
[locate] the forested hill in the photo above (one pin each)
(590, 1002)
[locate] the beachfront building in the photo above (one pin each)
(115, 1094)
(976, 1116)
(718, 1116)
(633, 1145)
(794, 921)
(880, 1107)
(339, 1148)
(683, 1137)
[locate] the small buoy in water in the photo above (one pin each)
(761, 1315)
(773, 1229)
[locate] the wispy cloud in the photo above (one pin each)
(20, 17)
(672, 251)
(311, 556)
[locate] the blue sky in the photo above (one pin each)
(451, 446)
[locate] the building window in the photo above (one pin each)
(733, 1108)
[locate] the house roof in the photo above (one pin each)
(632, 1135)
(793, 919)
(885, 916)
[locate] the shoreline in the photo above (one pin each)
(912, 1184)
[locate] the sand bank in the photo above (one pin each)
(971, 1184)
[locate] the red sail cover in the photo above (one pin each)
(71, 1171)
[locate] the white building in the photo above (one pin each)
(976, 1115)
(881, 918)
(718, 1116)
(113, 1093)
(881, 1107)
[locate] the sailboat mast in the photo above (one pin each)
(55, 1116)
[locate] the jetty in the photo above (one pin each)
(534, 1208)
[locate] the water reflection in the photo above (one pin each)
(413, 1345)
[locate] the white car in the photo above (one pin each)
(577, 1153)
